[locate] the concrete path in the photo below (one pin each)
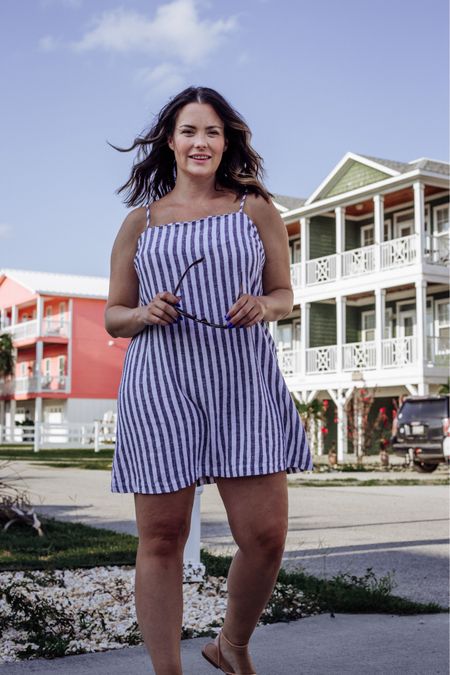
(347, 644)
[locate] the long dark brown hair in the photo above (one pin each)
(153, 173)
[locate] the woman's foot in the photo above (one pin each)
(238, 656)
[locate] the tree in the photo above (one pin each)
(6, 355)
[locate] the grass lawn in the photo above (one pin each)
(72, 545)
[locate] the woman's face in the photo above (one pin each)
(198, 140)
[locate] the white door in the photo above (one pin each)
(284, 336)
(406, 326)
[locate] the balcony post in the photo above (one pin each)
(419, 217)
(38, 364)
(380, 305)
(304, 338)
(340, 331)
(12, 419)
(304, 249)
(340, 238)
(421, 322)
(378, 210)
(39, 314)
(14, 315)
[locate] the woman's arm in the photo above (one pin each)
(278, 297)
(123, 317)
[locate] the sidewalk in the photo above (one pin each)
(347, 644)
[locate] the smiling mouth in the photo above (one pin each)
(200, 158)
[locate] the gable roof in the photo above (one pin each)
(67, 285)
(288, 203)
(355, 171)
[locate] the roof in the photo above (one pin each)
(72, 285)
(289, 202)
(403, 167)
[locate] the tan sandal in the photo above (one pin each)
(212, 653)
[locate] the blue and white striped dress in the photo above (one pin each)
(195, 401)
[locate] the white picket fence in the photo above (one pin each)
(97, 435)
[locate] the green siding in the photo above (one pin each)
(356, 176)
(322, 236)
(353, 322)
(322, 320)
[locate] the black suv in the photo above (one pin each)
(421, 431)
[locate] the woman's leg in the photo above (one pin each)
(257, 509)
(163, 523)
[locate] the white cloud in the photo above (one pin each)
(176, 31)
(165, 78)
(5, 230)
(48, 43)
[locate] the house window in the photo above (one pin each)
(441, 218)
(61, 366)
(47, 367)
(62, 313)
(368, 326)
(48, 317)
(443, 318)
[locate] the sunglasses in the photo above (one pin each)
(192, 316)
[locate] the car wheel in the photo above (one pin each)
(425, 467)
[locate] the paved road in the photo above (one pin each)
(400, 529)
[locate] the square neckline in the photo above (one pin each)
(195, 220)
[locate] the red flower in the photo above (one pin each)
(383, 411)
(324, 430)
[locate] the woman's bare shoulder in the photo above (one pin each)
(134, 223)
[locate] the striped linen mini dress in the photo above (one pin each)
(196, 402)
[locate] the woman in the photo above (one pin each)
(202, 399)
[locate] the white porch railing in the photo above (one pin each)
(35, 384)
(438, 249)
(399, 252)
(295, 275)
(358, 261)
(321, 270)
(400, 351)
(55, 326)
(438, 350)
(321, 359)
(289, 360)
(359, 356)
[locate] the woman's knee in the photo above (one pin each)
(163, 537)
(267, 540)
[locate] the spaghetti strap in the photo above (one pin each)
(242, 201)
(147, 211)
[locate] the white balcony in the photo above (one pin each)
(54, 326)
(394, 254)
(289, 360)
(34, 385)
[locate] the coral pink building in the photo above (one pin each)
(67, 367)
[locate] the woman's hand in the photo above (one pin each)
(247, 311)
(160, 310)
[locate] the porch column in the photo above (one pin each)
(2, 320)
(304, 338)
(304, 249)
(421, 324)
(419, 216)
(340, 238)
(380, 310)
(378, 210)
(14, 314)
(340, 330)
(273, 330)
(341, 415)
(38, 364)
(12, 418)
(39, 314)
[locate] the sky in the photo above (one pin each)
(313, 79)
